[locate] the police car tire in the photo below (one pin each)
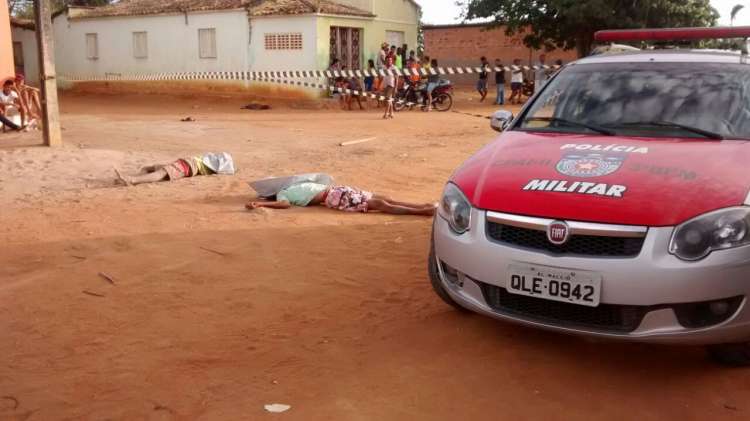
(734, 355)
(437, 283)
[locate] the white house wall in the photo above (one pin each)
(304, 59)
(172, 43)
(396, 11)
(30, 58)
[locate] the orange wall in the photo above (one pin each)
(6, 45)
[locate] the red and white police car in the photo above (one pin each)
(615, 204)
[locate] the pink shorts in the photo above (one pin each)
(348, 199)
(179, 169)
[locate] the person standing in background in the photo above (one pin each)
(541, 74)
(370, 80)
(411, 59)
(500, 82)
(516, 82)
(558, 66)
(482, 82)
(382, 54)
(392, 53)
(399, 59)
(389, 82)
(404, 53)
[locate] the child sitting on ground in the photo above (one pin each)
(208, 164)
(342, 198)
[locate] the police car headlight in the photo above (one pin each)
(720, 230)
(456, 209)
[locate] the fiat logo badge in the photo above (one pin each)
(558, 233)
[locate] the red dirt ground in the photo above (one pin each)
(217, 311)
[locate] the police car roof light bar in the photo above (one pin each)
(671, 34)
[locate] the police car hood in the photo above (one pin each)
(617, 180)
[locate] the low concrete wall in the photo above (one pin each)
(260, 90)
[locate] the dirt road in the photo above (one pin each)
(216, 311)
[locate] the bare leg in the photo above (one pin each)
(24, 115)
(399, 203)
(36, 105)
(154, 177)
(385, 207)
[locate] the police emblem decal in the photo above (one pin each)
(591, 165)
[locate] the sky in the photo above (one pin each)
(446, 11)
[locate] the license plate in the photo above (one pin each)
(567, 286)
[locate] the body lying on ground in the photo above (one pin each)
(208, 164)
(304, 193)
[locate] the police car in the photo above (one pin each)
(615, 205)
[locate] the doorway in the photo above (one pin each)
(346, 45)
(18, 58)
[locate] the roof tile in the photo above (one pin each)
(254, 7)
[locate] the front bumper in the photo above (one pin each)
(654, 280)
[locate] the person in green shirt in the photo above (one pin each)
(399, 59)
(344, 198)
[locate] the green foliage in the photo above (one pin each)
(25, 8)
(569, 24)
(736, 9)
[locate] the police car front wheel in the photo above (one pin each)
(735, 355)
(437, 282)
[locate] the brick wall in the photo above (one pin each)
(465, 44)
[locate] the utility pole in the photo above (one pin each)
(50, 109)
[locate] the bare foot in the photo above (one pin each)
(252, 206)
(121, 179)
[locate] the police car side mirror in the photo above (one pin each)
(501, 120)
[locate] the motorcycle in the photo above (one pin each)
(412, 95)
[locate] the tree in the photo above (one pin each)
(736, 9)
(569, 24)
(25, 8)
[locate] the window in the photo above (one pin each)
(140, 44)
(207, 43)
(92, 46)
(645, 99)
(290, 41)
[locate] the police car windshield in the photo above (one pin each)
(699, 100)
